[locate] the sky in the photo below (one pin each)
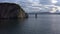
(37, 5)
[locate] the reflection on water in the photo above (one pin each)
(43, 24)
(11, 26)
(8, 26)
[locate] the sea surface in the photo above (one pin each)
(42, 24)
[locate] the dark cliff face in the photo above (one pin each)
(10, 10)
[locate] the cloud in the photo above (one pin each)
(10, 1)
(54, 1)
(36, 5)
(45, 2)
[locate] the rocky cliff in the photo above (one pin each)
(11, 10)
(22, 14)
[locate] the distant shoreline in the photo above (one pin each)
(44, 13)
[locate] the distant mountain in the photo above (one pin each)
(44, 13)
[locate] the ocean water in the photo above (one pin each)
(42, 24)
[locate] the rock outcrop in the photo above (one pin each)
(11, 10)
(22, 14)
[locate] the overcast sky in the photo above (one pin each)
(36, 5)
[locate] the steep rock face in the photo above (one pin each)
(22, 14)
(11, 10)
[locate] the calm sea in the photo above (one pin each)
(43, 24)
